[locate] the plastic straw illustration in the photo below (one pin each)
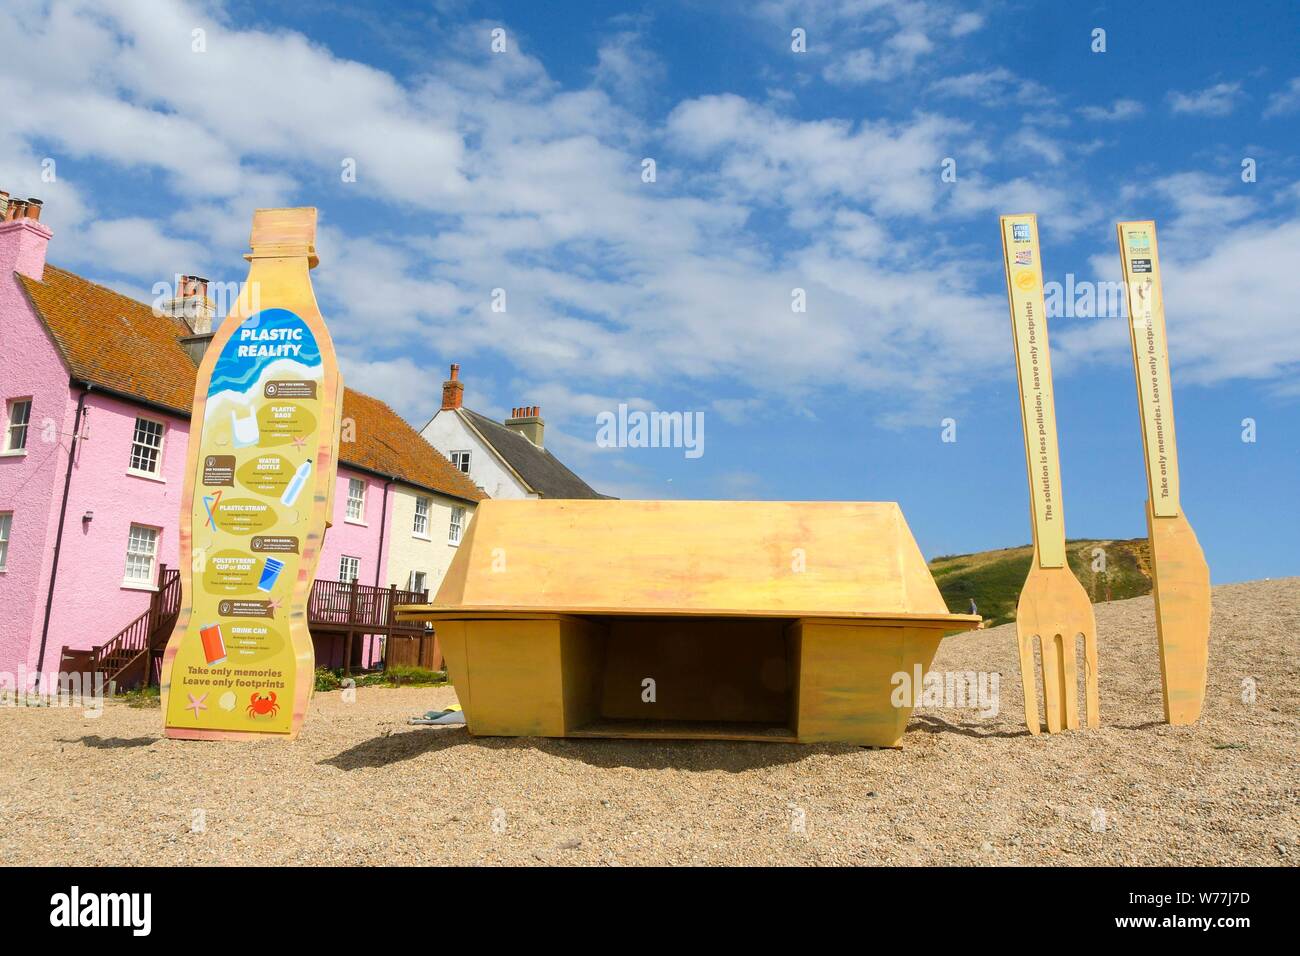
(210, 502)
(296, 483)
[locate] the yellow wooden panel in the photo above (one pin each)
(1181, 589)
(515, 673)
(846, 680)
(1140, 260)
(1180, 576)
(582, 661)
(1023, 262)
(279, 650)
(451, 637)
(776, 559)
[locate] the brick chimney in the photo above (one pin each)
(453, 390)
(23, 237)
(192, 304)
(527, 421)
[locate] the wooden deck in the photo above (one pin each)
(340, 612)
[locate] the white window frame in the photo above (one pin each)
(411, 582)
(6, 525)
(456, 527)
(132, 468)
(420, 519)
(358, 500)
(346, 560)
(132, 551)
(456, 459)
(25, 426)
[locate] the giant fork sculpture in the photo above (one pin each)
(1054, 608)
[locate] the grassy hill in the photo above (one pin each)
(994, 578)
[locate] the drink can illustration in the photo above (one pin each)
(270, 574)
(214, 645)
(296, 483)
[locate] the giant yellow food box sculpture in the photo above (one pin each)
(727, 620)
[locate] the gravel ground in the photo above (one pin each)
(360, 786)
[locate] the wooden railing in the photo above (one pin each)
(341, 604)
(137, 643)
(333, 605)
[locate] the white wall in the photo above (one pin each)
(431, 554)
(447, 432)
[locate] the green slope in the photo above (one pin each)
(994, 578)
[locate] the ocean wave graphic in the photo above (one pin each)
(240, 373)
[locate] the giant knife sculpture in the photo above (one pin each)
(1179, 574)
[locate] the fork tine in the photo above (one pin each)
(1026, 643)
(1069, 682)
(1051, 684)
(1093, 702)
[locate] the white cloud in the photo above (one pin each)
(134, 247)
(1217, 100)
(1285, 100)
(1035, 142)
(997, 85)
(965, 23)
(870, 41)
(768, 158)
(898, 55)
(1230, 288)
(485, 173)
(627, 68)
(1120, 110)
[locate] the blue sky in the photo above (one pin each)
(775, 170)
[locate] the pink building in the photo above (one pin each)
(96, 391)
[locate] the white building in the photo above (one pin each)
(506, 460)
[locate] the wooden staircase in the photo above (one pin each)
(128, 658)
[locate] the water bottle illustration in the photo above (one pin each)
(296, 483)
(244, 431)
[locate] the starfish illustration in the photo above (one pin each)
(299, 441)
(272, 604)
(197, 705)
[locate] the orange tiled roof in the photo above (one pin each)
(119, 344)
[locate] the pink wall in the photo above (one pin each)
(358, 540)
(30, 484)
(91, 602)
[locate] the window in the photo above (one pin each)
(349, 568)
(420, 525)
(356, 499)
(419, 582)
(146, 446)
(6, 520)
(20, 413)
(457, 525)
(141, 549)
(461, 460)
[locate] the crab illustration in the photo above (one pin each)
(259, 706)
